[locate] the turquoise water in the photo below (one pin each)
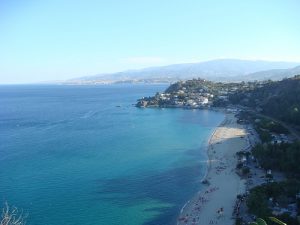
(70, 156)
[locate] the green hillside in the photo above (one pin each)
(279, 99)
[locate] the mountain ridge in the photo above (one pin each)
(220, 69)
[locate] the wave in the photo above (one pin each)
(89, 114)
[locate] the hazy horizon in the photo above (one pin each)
(138, 69)
(59, 40)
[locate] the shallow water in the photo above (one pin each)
(69, 155)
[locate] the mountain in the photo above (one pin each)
(215, 70)
(275, 74)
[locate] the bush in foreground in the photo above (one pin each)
(11, 216)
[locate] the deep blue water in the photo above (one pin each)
(69, 156)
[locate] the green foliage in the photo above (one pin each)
(239, 166)
(272, 126)
(265, 126)
(194, 85)
(287, 219)
(238, 221)
(257, 203)
(260, 221)
(277, 221)
(245, 170)
(270, 176)
(257, 200)
(284, 157)
(243, 153)
(264, 135)
(279, 99)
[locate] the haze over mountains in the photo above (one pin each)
(216, 70)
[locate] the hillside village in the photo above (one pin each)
(195, 94)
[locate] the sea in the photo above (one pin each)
(84, 155)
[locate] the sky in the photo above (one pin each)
(60, 39)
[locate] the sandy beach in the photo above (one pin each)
(215, 202)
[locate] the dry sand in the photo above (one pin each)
(224, 183)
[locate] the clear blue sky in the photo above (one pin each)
(60, 39)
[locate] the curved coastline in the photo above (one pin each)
(209, 142)
(208, 157)
(197, 210)
(207, 152)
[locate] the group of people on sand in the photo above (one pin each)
(210, 190)
(213, 222)
(220, 212)
(221, 167)
(218, 164)
(202, 200)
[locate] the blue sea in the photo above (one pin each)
(84, 155)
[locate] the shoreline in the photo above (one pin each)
(207, 152)
(223, 110)
(215, 201)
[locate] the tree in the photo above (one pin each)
(260, 221)
(246, 170)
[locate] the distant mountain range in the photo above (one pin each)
(215, 70)
(274, 74)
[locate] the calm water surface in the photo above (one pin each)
(83, 155)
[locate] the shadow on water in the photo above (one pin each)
(172, 187)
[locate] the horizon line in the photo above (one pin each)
(56, 82)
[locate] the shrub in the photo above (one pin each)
(11, 216)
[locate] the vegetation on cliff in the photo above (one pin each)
(284, 157)
(280, 99)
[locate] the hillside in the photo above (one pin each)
(275, 74)
(214, 70)
(280, 99)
